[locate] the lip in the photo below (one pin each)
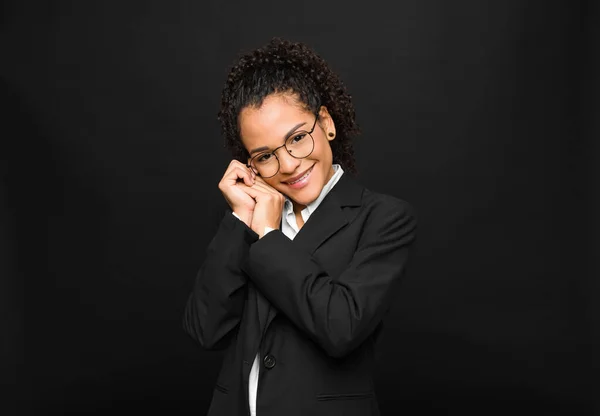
(295, 178)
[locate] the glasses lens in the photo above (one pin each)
(265, 164)
(300, 144)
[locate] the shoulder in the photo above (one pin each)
(365, 205)
(385, 218)
(380, 203)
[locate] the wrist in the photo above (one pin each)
(266, 230)
(246, 219)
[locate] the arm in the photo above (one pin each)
(337, 314)
(215, 306)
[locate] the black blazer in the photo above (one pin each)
(316, 302)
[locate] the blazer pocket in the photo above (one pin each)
(345, 396)
(227, 370)
(221, 388)
(220, 403)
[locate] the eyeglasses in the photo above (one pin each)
(299, 145)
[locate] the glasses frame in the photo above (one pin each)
(249, 165)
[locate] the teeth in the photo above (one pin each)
(298, 180)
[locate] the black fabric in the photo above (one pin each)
(312, 306)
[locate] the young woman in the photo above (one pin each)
(303, 269)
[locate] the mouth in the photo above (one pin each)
(301, 179)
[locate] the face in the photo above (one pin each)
(266, 128)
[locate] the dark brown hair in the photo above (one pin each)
(285, 67)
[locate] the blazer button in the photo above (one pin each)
(269, 361)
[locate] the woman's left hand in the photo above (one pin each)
(269, 204)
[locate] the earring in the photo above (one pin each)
(331, 134)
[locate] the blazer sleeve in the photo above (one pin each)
(215, 306)
(337, 314)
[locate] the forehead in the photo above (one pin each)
(269, 123)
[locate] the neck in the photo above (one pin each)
(298, 208)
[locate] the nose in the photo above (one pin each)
(287, 163)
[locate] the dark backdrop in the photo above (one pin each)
(479, 113)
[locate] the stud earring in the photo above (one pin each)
(331, 134)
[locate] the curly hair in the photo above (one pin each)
(285, 67)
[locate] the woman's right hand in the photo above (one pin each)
(240, 202)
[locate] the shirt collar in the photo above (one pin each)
(288, 207)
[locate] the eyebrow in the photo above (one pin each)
(288, 134)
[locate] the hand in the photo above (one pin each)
(269, 204)
(240, 201)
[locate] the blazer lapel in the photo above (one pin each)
(331, 215)
(260, 313)
(254, 323)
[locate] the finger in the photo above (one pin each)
(243, 166)
(233, 166)
(265, 192)
(250, 190)
(236, 164)
(258, 190)
(239, 172)
(265, 188)
(261, 181)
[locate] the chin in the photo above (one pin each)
(307, 195)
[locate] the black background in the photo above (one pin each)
(481, 114)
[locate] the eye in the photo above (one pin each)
(265, 157)
(297, 137)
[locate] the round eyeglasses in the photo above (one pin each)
(299, 145)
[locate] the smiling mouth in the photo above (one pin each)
(302, 177)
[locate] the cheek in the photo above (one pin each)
(323, 150)
(273, 182)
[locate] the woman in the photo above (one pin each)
(303, 269)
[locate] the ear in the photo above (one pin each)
(326, 123)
